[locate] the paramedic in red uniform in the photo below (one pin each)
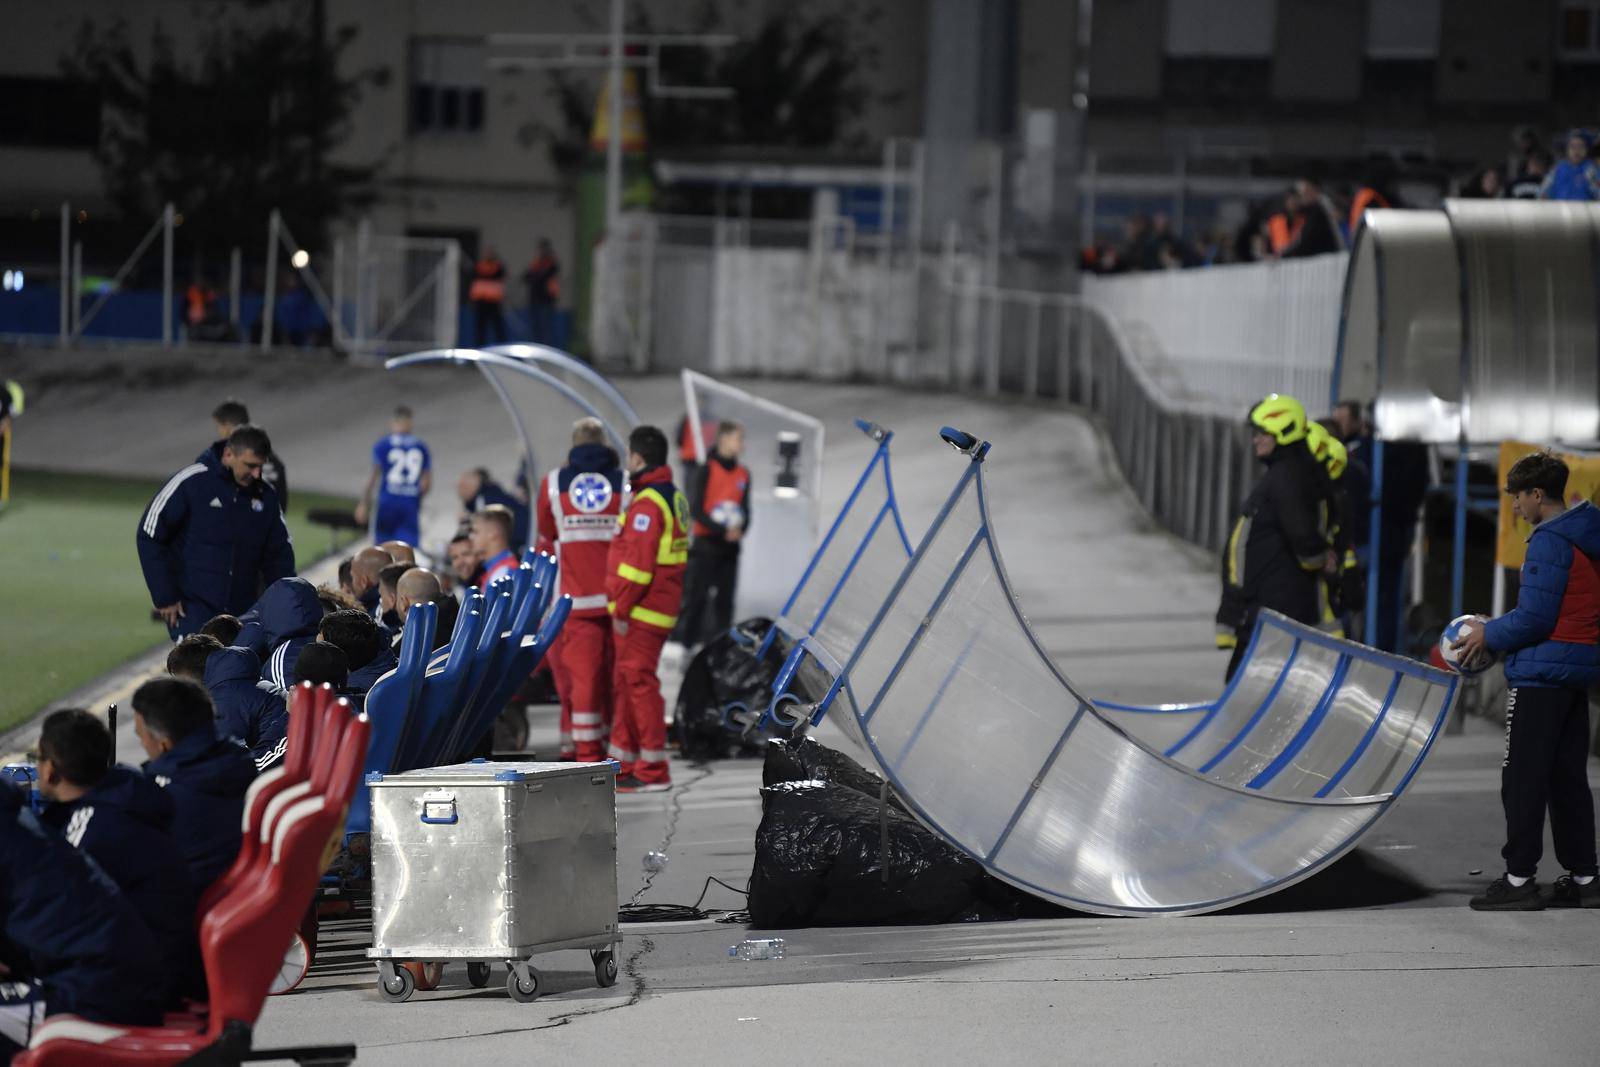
(644, 581)
(719, 499)
(578, 508)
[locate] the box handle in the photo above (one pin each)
(439, 808)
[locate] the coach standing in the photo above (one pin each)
(214, 535)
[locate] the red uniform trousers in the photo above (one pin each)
(639, 722)
(581, 664)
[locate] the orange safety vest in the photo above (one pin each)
(488, 285)
(199, 299)
(708, 434)
(1281, 230)
(725, 490)
(1365, 197)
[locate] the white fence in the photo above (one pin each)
(1226, 335)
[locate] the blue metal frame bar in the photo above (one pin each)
(849, 569)
(900, 582)
(1038, 780)
(1366, 738)
(938, 697)
(1272, 695)
(978, 538)
(1307, 728)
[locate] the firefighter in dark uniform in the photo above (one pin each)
(1277, 552)
(719, 499)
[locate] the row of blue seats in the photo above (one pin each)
(433, 708)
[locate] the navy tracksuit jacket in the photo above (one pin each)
(206, 778)
(209, 544)
(281, 623)
(125, 825)
(249, 710)
(64, 923)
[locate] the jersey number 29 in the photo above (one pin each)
(405, 467)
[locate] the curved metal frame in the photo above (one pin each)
(486, 361)
(568, 362)
(985, 537)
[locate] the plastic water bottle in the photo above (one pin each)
(655, 861)
(768, 949)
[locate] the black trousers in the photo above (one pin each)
(709, 582)
(488, 317)
(1547, 752)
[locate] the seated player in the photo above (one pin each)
(465, 566)
(388, 580)
(365, 649)
(282, 622)
(416, 586)
(250, 711)
(491, 541)
(73, 943)
(225, 628)
(323, 664)
(206, 776)
(124, 821)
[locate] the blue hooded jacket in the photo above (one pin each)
(281, 623)
(125, 824)
(209, 544)
(206, 778)
(64, 923)
(1524, 634)
(250, 711)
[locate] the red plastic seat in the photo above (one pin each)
(242, 936)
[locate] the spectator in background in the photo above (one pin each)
(1576, 177)
(487, 294)
(1135, 250)
(543, 279)
(227, 417)
(1375, 192)
(205, 775)
(1316, 227)
(1484, 185)
(123, 821)
(478, 490)
(1529, 181)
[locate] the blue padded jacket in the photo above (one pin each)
(206, 778)
(279, 625)
(249, 710)
(1548, 639)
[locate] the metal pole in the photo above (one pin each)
(66, 270)
(363, 281)
(614, 133)
(270, 287)
(1375, 542)
(1499, 607)
(166, 276)
(77, 286)
(996, 181)
(1458, 553)
(235, 285)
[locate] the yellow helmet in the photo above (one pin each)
(1338, 458)
(1283, 417)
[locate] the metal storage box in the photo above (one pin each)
(493, 862)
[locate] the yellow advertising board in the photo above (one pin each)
(1583, 483)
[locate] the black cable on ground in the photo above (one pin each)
(676, 913)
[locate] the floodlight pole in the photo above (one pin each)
(614, 123)
(66, 269)
(166, 276)
(270, 287)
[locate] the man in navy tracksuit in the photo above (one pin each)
(206, 776)
(1551, 659)
(282, 622)
(250, 711)
(366, 649)
(70, 942)
(214, 535)
(123, 821)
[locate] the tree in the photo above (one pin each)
(238, 125)
(799, 81)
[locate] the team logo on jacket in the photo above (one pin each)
(590, 492)
(255, 505)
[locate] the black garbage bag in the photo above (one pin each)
(805, 760)
(822, 851)
(725, 672)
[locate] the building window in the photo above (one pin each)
(48, 113)
(1580, 30)
(1218, 29)
(447, 85)
(1403, 29)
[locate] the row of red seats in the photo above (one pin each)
(293, 822)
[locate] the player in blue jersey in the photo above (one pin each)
(402, 474)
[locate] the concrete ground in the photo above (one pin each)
(1376, 959)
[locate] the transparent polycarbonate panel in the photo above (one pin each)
(1308, 681)
(1158, 728)
(1252, 685)
(1113, 828)
(783, 451)
(1398, 744)
(1338, 733)
(882, 560)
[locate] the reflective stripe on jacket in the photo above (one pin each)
(644, 579)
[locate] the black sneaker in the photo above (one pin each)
(1567, 893)
(629, 784)
(1503, 896)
